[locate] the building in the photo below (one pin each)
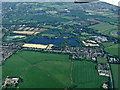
(11, 81)
(103, 70)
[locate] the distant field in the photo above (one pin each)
(104, 28)
(107, 44)
(40, 70)
(26, 32)
(69, 18)
(85, 75)
(109, 19)
(113, 50)
(48, 26)
(115, 68)
(48, 35)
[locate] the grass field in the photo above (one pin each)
(69, 18)
(40, 70)
(85, 75)
(48, 35)
(43, 70)
(0, 72)
(104, 28)
(48, 26)
(107, 44)
(115, 69)
(113, 50)
(101, 60)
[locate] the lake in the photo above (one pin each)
(55, 41)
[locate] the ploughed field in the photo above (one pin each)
(46, 70)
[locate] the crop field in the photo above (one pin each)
(113, 50)
(39, 69)
(115, 70)
(35, 46)
(48, 26)
(26, 32)
(9, 38)
(48, 35)
(109, 19)
(69, 18)
(104, 28)
(43, 70)
(85, 75)
(108, 44)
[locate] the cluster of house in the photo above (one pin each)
(105, 86)
(9, 81)
(101, 38)
(103, 70)
(8, 49)
(114, 60)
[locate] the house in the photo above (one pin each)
(11, 81)
(94, 59)
(105, 86)
(103, 70)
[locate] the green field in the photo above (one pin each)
(113, 49)
(0, 72)
(84, 75)
(101, 60)
(69, 18)
(104, 28)
(40, 70)
(107, 44)
(48, 35)
(45, 70)
(48, 26)
(115, 68)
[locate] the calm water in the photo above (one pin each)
(55, 41)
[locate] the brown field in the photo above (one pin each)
(26, 32)
(1, 35)
(26, 28)
(20, 28)
(89, 11)
(36, 29)
(95, 21)
(52, 12)
(19, 36)
(42, 29)
(31, 29)
(35, 46)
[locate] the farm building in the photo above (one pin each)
(11, 81)
(105, 86)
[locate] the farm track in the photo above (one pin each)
(71, 72)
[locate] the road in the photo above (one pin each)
(111, 78)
